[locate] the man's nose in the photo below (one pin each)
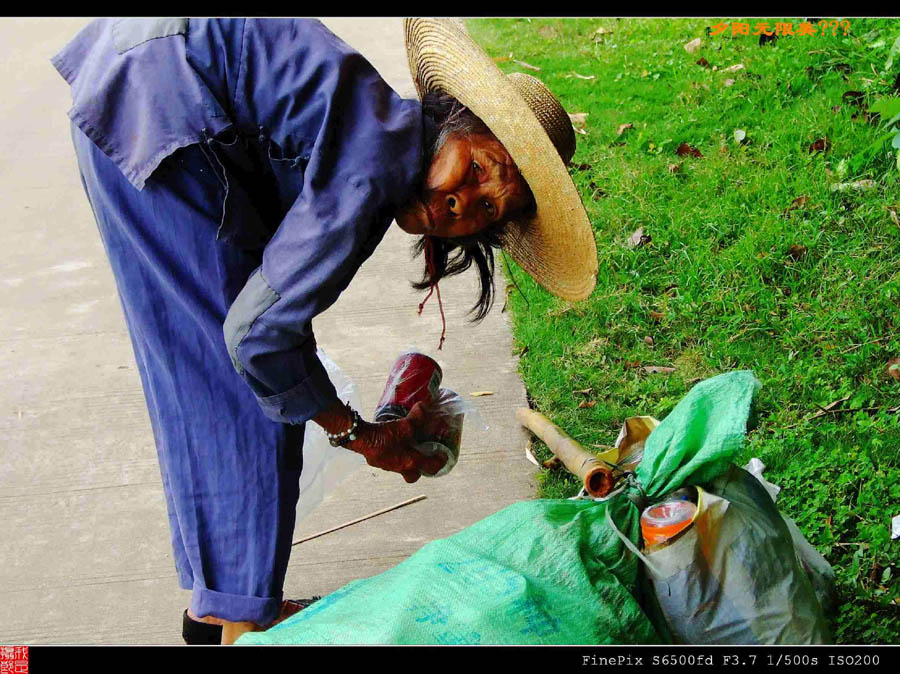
(456, 204)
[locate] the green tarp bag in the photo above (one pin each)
(551, 571)
(736, 576)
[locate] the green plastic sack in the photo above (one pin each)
(549, 571)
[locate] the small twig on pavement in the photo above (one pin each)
(360, 519)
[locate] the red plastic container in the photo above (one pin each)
(414, 378)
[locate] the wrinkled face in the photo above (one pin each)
(472, 183)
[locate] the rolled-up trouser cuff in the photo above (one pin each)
(234, 607)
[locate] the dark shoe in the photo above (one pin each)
(291, 607)
(197, 633)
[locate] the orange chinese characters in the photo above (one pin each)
(784, 28)
(807, 28)
(738, 28)
(762, 29)
(718, 29)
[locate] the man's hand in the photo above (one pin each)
(389, 445)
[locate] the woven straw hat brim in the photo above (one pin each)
(555, 246)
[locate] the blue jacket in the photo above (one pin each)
(143, 88)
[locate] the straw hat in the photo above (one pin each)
(556, 245)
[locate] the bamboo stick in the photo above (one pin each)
(595, 473)
(360, 519)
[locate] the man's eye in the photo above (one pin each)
(476, 167)
(489, 207)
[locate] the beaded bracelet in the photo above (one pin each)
(340, 439)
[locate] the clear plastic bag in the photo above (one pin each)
(324, 466)
(452, 411)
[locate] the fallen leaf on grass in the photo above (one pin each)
(603, 31)
(584, 77)
(893, 369)
(674, 168)
(734, 68)
(547, 32)
(820, 145)
(631, 364)
(657, 315)
(893, 214)
(857, 98)
(866, 116)
(728, 82)
(649, 340)
(860, 185)
(578, 118)
(703, 62)
(844, 68)
(478, 394)
(587, 404)
(830, 406)
(638, 238)
(693, 45)
(740, 136)
(796, 251)
(657, 369)
(524, 65)
(624, 127)
(687, 149)
(799, 202)
(585, 391)
(599, 193)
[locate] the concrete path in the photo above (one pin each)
(85, 554)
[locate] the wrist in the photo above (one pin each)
(363, 442)
(349, 433)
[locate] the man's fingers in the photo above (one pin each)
(431, 464)
(417, 415)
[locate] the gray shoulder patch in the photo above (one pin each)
(129, 33)
(255, 297)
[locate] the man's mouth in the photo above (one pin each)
(428, 214)
(429, 221)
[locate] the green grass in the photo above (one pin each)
(814, 330)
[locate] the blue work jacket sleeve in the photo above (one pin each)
(364, 143)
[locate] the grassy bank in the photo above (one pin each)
(774, 250)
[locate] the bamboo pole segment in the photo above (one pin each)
(595, 473)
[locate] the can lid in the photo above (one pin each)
(390, 412)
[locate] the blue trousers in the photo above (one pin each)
(231, 476)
